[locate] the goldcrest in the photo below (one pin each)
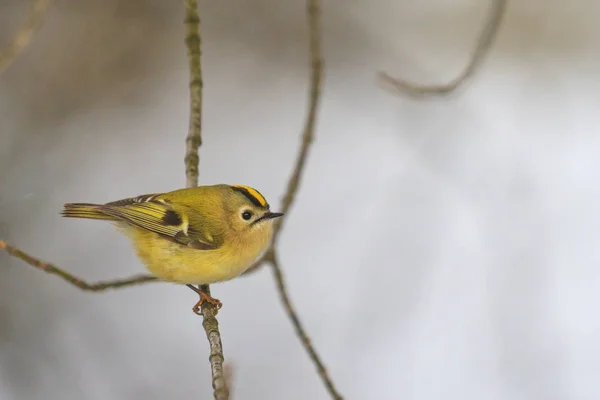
(199, 235)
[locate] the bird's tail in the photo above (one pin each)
(85, 210)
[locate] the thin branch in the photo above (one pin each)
(193, 142)
(194, 138)
(316, 78)
(72, 279)
(482, 48)
(216, 358)
(24, 34)
(300, 331)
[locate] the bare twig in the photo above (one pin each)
(193, 142)
(308, 134)
(300, 331)
(194, 137)
(316, 68)
(72, 279)
(24, 34)
(482, 47)
(216, 358)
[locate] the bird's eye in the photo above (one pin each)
(246, 215)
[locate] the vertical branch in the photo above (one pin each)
(194, 137)
(193, 142)
(216, 358)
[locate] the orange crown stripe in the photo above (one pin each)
(254, 193)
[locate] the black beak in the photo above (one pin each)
(270, 215)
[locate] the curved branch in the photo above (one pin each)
(316, 78)
(484, 43)
(316, 68)
(24, 34)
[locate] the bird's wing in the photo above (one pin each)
(157, 215)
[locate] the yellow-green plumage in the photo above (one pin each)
(192, 236)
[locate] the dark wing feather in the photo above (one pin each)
(158, 215)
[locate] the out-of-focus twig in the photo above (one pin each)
(24, 34)
(193, 142)
(482, 47)
(72, 279)
(271, 257)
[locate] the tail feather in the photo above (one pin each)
(85, 210)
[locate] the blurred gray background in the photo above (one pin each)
(442, 248)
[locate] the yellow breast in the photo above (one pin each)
(177, 263)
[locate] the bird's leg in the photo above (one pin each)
(204, 298)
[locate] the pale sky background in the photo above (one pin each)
(439, 249)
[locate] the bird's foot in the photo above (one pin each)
(208, 299)
(204, 298)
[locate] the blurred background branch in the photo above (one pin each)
(24, 34)
(482, 48)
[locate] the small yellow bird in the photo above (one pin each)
(198, 235)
